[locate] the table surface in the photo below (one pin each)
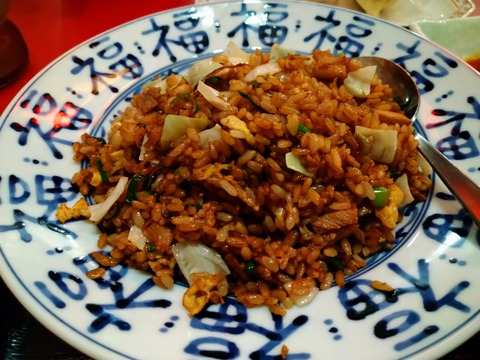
(50, 28)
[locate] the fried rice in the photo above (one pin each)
(261, 170)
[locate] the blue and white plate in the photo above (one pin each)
(434, 266)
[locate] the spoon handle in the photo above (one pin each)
(464, 189)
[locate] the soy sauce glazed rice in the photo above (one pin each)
(266, 176)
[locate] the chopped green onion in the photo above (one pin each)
(186, 96)
(258, 107)
(250, 267)
(132, 188)
(336, 262)
(100, 140)
(150, 247)
(303, 129)
(213, 80)
(381, 196)
(255, 84)
(102, 172)
(395, 173)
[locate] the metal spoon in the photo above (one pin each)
(406, 94)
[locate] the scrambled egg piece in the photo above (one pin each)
(204, 289)
(234, 123)
(96, 179)
(388, 214)
(79, 209)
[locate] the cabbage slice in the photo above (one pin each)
(176, 125)
(269, 68)
(402, 183)
(200, 69)
(423, 165)
(358, 82)
(209, 135)
(136, 237)
(384, 144)
(213, 96)
(141, 156)
(278, 52)
(235, 54)
(196, 258)
(294, 163)
(98, 211)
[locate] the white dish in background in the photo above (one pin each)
(434, 266)
(405, 12)
(460, 36)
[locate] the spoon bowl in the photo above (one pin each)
(405, 93)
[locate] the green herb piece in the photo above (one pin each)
(132, 188)
(102, 172)
(186, 96)
(395, 173)
(100, 140)
(213, 80)
(336, 263)
(250, 267)
(255, 84)
(150, 247)
(381, 196)
(258, 107)
(303, 129)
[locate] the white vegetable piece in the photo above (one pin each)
(176, 125)
(235, 54)
(402, 183)
(293, 162)
(278, 51)
(358, 82)
(98, 211)
(423, 165)
(209, 135)
(269, 68)
(200, 69)
(136, 237)
(384, 144)
(141, 156)
(195, 258)
(212, 96)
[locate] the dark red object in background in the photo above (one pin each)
(52, 27)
